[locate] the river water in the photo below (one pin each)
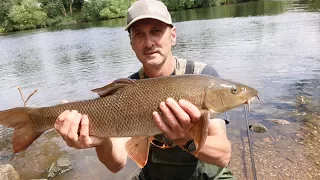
(273, 46)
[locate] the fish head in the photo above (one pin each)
(223, 95)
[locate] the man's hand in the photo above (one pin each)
(179, 118)
(69, 123)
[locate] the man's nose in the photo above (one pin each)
(149, 43)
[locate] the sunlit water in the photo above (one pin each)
(271, 46)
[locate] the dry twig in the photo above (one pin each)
(25, 101)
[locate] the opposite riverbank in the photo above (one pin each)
(17, 15)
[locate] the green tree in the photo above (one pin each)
(105, 9)
(28, 15)
(5, 6)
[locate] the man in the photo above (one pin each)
(152, 36)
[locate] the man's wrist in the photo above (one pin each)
(182, 142)
(187, 144)
(105, 143)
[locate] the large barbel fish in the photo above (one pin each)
(125, 109)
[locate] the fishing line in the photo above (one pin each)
(250, 145)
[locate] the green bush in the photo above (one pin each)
(54, 21)
(104, 9)
(67, 21)
(28, 15)
(52, 9)
(2, 30)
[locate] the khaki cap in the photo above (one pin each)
(143, 9)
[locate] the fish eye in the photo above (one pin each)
(234, 90)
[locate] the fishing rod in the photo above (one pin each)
(250, 145)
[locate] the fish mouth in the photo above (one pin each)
(250, 100)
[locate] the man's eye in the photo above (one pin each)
(156, 31)
(137, 34)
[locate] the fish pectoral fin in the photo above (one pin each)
(138, 150)
(199, 131)
(113, 87)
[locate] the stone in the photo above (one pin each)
(267, 140)
(7, 172)
(279, 121)
(259, 128)
(62, 165)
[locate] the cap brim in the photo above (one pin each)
(147, 17)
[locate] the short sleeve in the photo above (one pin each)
(209, 70)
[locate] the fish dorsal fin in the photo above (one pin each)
(113, 87)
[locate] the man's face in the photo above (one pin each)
(152, 40)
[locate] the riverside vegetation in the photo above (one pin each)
(16, 15)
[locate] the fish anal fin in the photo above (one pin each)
(199, 131)
(138, 150)
(113, 87)
(24, 133)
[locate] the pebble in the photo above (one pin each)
(267, 140)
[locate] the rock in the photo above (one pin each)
(62, 165)
(259, 128)
(267, 140)
(7, 172)
(279, 121)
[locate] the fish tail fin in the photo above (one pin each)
(24, 133)
(199, 131)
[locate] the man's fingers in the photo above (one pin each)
(160, 124)
(74, 126)
(84, 128)
(84, 132)
(64, 101)
(67, 122)
(179, 113)
(191, 109)
(60, 120)
(170, 118)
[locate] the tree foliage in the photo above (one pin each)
(28, 15)
(5, 6)
(105, 9)
(187, 4)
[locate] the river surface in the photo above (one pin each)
(273, 46)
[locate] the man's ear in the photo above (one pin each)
(173, 36)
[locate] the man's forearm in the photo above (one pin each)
(112, 153)
(216, 150)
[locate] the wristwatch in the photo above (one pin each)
(190, 146)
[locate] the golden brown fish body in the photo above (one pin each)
(128, 112)
(125, 107)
